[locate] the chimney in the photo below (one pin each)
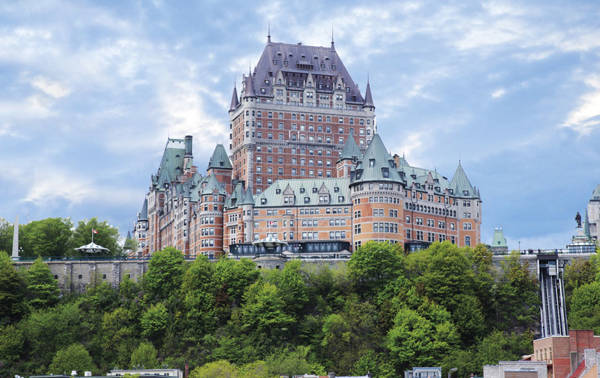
(188, 145)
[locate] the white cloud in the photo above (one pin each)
(49, 87)
(500, 92)
(585, 118)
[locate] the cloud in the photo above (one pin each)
(585, 118)
(498, 93)
(49, 87)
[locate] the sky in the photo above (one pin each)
(91, 91)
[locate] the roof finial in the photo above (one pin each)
(269, 33)
(332, 41)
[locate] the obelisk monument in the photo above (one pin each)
(15, 246)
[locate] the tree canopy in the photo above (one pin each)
(381, 312)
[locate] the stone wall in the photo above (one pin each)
(77, 275)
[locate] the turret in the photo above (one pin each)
(348, 158)
(220, 165)
(234, 100)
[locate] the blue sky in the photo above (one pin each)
(91, 90)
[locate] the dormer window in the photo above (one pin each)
(263, 201)
(277, 191)
(371, 162)
(466, 192)
(302, 190)
(266, 82)
(306, 199)
(314, 190)
(336, 189)
(385, 172)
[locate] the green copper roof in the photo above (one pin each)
(376, 164)
(305, 192)
(219, 159)
(351, 150)
(461, 184)
(236, 197)
(213, 185)
(171, 165)
(499, 239)
(248, 198)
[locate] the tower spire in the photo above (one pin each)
(269, 33)
(332, 41)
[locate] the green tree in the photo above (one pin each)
(130, 244)
(12, 344)
(46, 237)
(292, 362)
(291, 285)
(585, 307)
(580, 272)
(12, 292)
(517, 296)
(415, 340)
(107, 236)
(232, 278)
(165, 274)
(155, 321)
(263, 317)
(74, 357)
(48, 330)
(6, 235)
(199, 298)
(42, 288)
(217, 369)
(374, 265)
(144, 356)
(119, 336)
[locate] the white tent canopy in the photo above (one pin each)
(91, 248)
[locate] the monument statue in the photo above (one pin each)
(578, 219)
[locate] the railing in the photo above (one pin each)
(95, 258)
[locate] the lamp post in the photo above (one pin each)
(451, 371)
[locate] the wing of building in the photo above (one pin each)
(306, 167)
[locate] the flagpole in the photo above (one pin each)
(92, 235)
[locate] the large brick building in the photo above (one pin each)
(307, 167)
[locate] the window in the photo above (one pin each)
(468, 241)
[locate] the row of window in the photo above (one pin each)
(385, 227)
(310, 117)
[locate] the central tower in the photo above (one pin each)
(294, 113)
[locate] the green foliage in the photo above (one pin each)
(144, 357)
(374, 265)
(517, 296)
(263, 317)
(417, 341)
(155, 321)
(217, 369)
(130, 244)
(6, 235)
(46, 237)
(42, 288)
(379, 313)
(294, 362)
(107, 237)
(74, 357)
(12, 292)
(585, 307)
(12, 344)
(165, 274)
(580, 272)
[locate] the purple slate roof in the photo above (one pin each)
(296, 61)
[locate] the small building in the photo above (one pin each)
(423, 372)
(147, 373)
(564, 354)
(516, 369)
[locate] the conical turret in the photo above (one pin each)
(234, 100)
